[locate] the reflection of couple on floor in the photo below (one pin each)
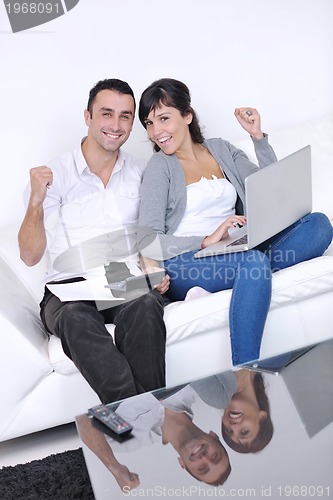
(246, 426)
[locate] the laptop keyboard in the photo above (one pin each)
(239, 241)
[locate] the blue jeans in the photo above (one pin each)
(249, 274)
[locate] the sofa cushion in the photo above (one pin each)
(197, 316)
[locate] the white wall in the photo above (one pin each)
(275, 55)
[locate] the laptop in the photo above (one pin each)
(276, 197)
(276, 364)
(307, 374)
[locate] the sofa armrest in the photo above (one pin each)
(19, 308)
(23, 344)
(30, 277)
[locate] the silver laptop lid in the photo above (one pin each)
(288, 198)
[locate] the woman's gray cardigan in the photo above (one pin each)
(163, 195)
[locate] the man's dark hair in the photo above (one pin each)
(109, 84)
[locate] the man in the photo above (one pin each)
(81, 195)
(169, 421)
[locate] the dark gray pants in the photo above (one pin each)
(133, 364)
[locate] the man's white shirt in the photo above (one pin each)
(79, 208)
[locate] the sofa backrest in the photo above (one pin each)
(29, 277)
(319, 134)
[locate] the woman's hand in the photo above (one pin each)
(162, 287)
(222, 231)
(249, 119)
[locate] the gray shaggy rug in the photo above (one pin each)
(63, 476)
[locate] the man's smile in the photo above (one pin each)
(112, 135)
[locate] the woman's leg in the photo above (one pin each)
(248, 274)
(249, 306)
(306, 239)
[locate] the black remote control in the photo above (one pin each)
(111, 419)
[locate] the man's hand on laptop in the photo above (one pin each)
(222, 231)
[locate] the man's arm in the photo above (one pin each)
(31, 236)
(96, 441)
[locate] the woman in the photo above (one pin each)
(246, 423)
(241, 395)
(193, 193)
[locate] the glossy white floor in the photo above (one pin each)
(39, 445)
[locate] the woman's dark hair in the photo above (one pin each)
(266, 426)
(174, 94)
(108, 84)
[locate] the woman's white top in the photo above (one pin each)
(209, 203)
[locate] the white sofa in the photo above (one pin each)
(41, 388)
